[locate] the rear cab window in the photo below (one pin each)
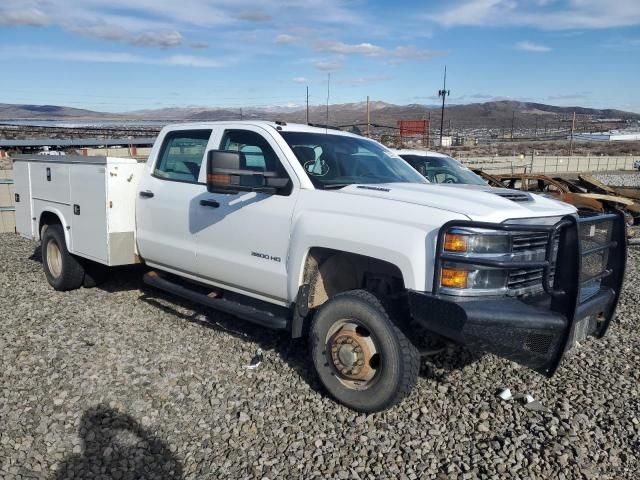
(182, 155)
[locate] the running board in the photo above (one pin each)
(251, 314)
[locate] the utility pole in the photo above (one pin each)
(536, 132)
(513, 120)
(443, 93)
(429, 130)
(328, 93)
(307, 104)
(368, 119)
(241, 115)
(573, 128)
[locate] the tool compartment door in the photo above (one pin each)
(24, 209)
(89, 212)
(50, 181)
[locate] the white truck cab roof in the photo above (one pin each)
(420, 153)
(276, 125)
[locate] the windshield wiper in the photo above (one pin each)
(335, 186)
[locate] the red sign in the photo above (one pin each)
(412, 127)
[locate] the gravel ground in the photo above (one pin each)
(125, 380)
(619, 179)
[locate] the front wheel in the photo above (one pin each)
(63, 270)
(362, 358)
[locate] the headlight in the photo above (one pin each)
(471, 278)
(460, 241)
(476, 261)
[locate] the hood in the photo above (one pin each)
(477, 202)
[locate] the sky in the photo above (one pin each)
(125, 55)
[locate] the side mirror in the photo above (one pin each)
(227, 173)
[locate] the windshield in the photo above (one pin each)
(443, 170)
(334, 161)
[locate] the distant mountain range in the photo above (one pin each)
(489, 114)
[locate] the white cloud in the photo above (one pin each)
(191, 61)
(328, 65)
(116, 33)
(253, 16)
(542, 14)
(527, 46)
(162, 23)
(30, 17)
(396, 55)
(300, 80)
(166, 39)
(245, 28)
(284, 39)
(346, 49)
(45, 53)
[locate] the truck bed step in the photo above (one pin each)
(246, 312)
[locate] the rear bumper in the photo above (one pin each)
(536, 331)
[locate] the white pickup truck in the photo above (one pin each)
(331, 235)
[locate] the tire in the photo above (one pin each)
(346, 372)
(63, 270)
(94, 273)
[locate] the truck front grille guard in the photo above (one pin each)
(562, 278)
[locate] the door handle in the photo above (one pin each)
(209, 203)
(146, 194)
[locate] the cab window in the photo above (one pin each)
(258, 154)
(182, 154)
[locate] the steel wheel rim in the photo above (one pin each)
(54, 258)
(353, 355)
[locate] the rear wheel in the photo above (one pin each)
(363, 359)
(63, 270)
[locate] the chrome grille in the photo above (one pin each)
(526, 279)
(530, 246)
(529, 241)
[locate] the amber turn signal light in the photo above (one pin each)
(454, 242)
(219, 179)
(453, 278)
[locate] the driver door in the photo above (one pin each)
(242, 244)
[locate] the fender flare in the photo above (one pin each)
(65, 226)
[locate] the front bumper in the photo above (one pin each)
(536, 331)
